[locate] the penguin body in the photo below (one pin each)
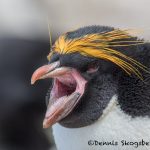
(115, 130)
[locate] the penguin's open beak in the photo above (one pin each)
(68, 88)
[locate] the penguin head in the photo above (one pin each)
(85, 66)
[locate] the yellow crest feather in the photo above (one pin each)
(98, 46)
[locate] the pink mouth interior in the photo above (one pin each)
(64, 85)
(65, 94)
(67, 84)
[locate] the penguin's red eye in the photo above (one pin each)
(92, 68)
